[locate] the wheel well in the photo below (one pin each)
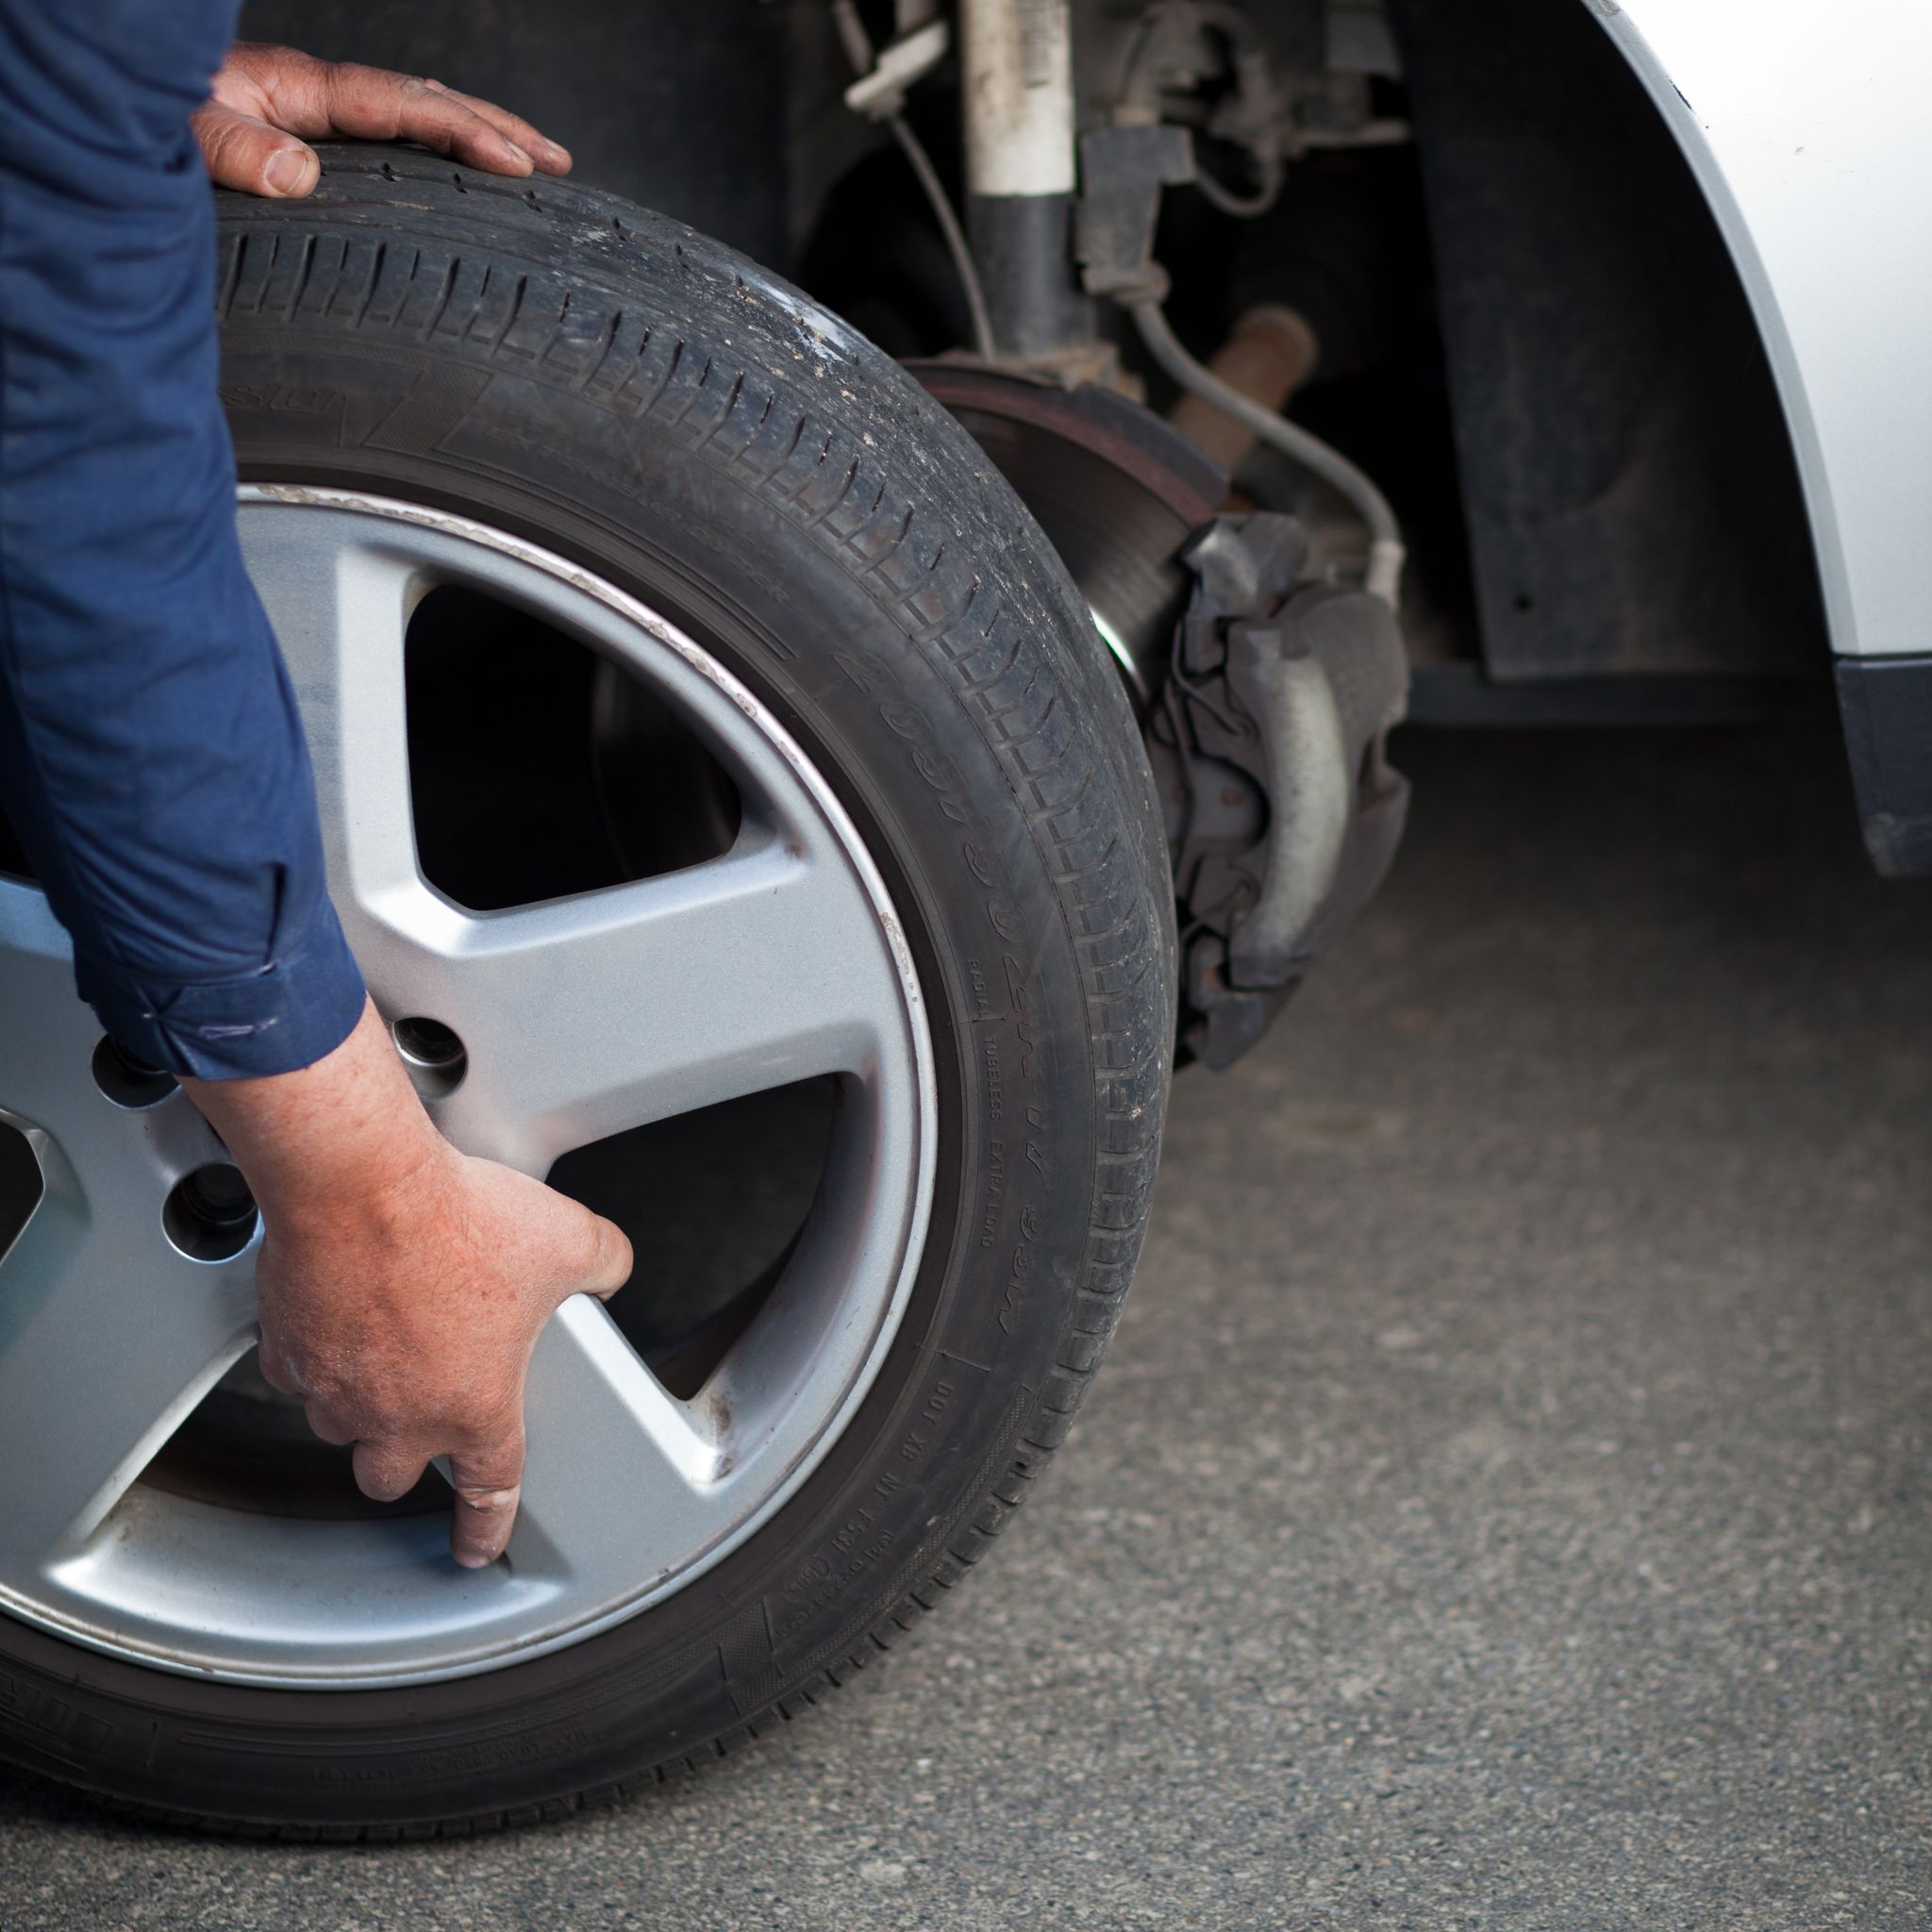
(1627, 477)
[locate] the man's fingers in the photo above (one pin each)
(316, 98)
(244, 153)
(487, 1480)
(385, 1473)
(551, 156)
(611, 1267)
(374, 105)
(328, 1426)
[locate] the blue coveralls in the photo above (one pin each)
(152, 761)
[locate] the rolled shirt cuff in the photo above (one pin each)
(292, 1012)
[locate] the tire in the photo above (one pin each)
(603, 382)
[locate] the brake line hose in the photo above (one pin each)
(1387, 552)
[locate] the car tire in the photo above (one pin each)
(604, 383)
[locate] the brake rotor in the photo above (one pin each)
(1116, 488)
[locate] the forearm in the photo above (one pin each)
(346, 1135)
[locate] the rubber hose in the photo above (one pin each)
(1387, 552)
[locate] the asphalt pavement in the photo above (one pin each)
(1507, 1504)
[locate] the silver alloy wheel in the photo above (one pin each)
(581, 1017)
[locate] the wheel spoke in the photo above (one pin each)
(107, 1339)
(590, 1015)
(339, 595)
(623, 1481)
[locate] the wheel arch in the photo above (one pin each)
(1814, 160)
(1791, 164)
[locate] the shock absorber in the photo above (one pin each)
(1018, 62)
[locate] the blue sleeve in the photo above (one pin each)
(152, 760)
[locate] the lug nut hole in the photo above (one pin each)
(126, 1079)
(436, 1058)
(211, 1216)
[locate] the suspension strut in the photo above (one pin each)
(1018, 60)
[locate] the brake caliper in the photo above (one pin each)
(1269, 740)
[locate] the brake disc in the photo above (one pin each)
(1117, 491)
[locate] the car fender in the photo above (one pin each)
(1806, 128)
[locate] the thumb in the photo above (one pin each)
(610, 1265)
(244, 152)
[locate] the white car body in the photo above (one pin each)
(1806, 129)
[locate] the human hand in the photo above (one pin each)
(403, 1285)
(269, 102)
